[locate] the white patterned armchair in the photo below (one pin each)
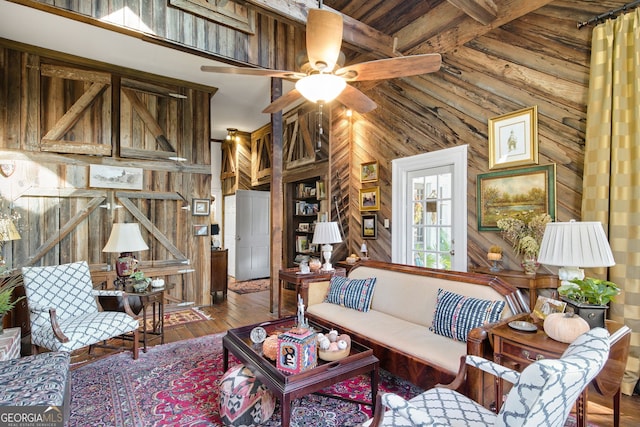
(542, 395)
(64, 313)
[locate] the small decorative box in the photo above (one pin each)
(297, 351)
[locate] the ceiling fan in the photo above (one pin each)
(323, 78)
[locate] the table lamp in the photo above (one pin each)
(572, 245)
(325, 234)
(125, 239)
(8, 232)
(364, 251)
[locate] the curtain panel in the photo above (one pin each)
(611, 186)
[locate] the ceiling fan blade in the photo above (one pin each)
(356, 100)
(391, 68)
(280, 103)
(324, 38)
(253, 72)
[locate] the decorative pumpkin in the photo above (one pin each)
(565, 327)
(270, 347)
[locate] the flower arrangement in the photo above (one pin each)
(524, 230)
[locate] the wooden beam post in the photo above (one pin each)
(277, 194)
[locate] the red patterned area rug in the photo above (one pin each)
(177, 384)
(248, 286)
(177, 317)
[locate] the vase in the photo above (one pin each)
(530, 264)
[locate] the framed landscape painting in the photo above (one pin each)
(502, 193)
(370, 199)
(370, 226)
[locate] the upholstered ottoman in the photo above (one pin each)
(244, 400)
(39, 380)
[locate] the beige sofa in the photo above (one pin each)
(402, 309)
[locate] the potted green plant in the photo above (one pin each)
(6, 302)
(589, 298)
(140, 282)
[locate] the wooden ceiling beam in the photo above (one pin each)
(457, 28)
(356, 34)
(483, 11)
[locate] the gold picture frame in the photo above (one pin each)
(369, 199)
(513, 139)
(369, 172)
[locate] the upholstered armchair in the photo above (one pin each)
(542, 395)
(64, 313)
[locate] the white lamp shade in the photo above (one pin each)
(125, 237)
(575, 244)
(321, 87)
(326, 233)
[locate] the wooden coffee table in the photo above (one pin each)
(288, 387)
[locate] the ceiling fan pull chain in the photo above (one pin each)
(320, 129)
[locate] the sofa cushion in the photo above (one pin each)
(407, 337)
(351, 293)
(456, 315)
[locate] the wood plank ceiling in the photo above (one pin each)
(384, 28)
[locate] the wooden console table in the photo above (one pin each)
(301, 281)
(524, 281)
(517, 350)
(219, 273)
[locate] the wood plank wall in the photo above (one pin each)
(540, 59)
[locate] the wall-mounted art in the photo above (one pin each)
(369, 172)
(200, 207)
(370, 226)
(513, 139)
(370, 199)
(115, 177)
(201, 230)
(507, 192)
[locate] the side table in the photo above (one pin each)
(151, 302)
(518, 350)
(219, 273)
(524, 281)
(301, 281)
(10, 344)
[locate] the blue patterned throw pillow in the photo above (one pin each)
(455, 315)
(351, 293)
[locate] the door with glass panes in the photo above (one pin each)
(430, 243)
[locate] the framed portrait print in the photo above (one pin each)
(370, 199)
(370, 226)
(513, 139)
(200, 207)
(201, 230)
(504, 193)
(369, 172)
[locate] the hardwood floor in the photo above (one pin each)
(240, 310)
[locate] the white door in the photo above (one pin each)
(229, 231)
(430, 206)
(429, 219)
(253, 235)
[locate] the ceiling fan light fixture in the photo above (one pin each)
(321, 87)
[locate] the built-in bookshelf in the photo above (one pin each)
(306, 207)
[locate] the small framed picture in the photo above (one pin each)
(370, 226)
(545, 306)
(369, 172)
(513, 139)
(303, 226)
(200, 207)
(200, 230)
(370, 199)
